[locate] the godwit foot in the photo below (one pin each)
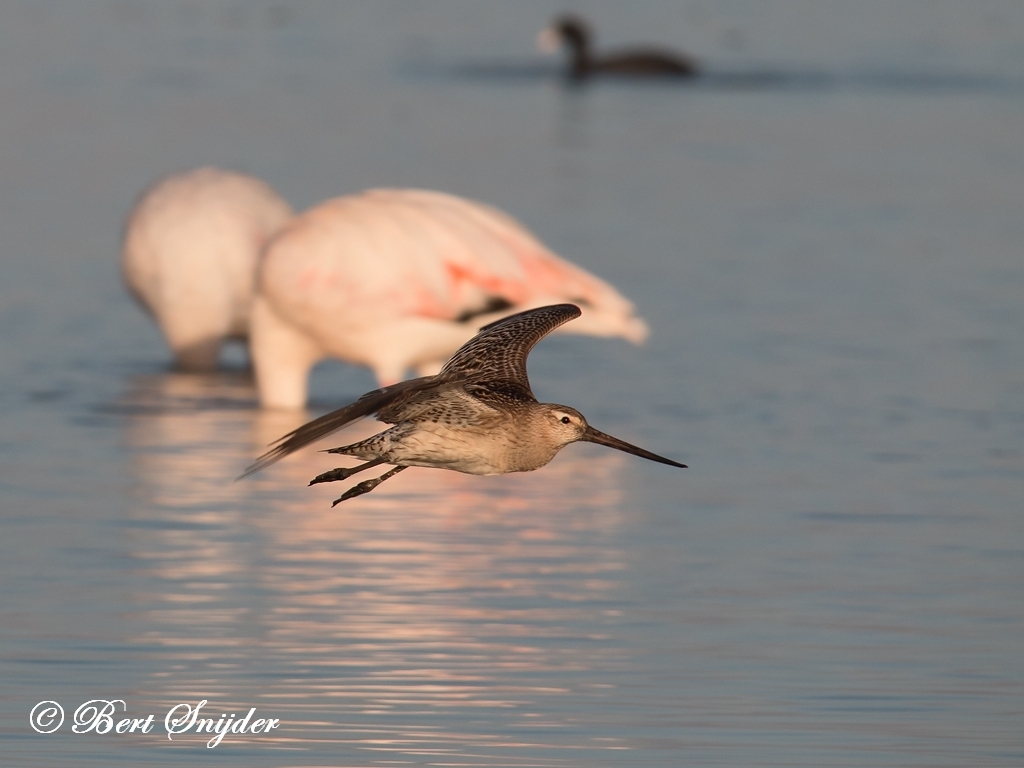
(343, 473)
(367, 485)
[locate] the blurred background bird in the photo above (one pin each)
(573, 33)
(398, 279)
(393, 279)
(190, 248)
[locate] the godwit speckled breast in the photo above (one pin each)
(478, 415)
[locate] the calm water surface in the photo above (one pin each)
(826, 238)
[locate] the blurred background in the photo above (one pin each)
(825, 234)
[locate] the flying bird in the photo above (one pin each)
(399, 279)
(189, 254)
(478, 415)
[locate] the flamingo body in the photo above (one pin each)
(395, 279)
(191, 245)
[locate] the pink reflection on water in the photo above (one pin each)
(438, 592)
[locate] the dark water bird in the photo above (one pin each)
(574, 33)
(478, 415)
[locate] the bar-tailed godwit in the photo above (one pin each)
(478, 415)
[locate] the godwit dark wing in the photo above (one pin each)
(499, 351)
(492, 365)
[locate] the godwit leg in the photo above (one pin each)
(367, 485)
(343, 473)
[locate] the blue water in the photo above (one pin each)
(826, 237)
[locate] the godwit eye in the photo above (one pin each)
(566, 420)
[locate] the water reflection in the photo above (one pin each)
(440, 601)
(756, 79)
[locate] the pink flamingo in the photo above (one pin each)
(191, 245)
(395, 279)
